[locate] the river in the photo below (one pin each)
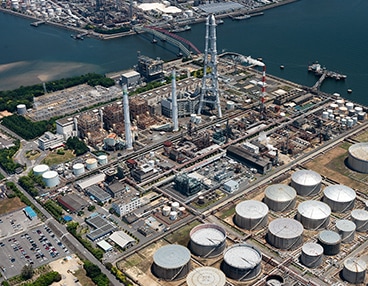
(295, 35)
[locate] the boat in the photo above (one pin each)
(154, 41)
(219, 21)
(177, 29)
(240, 17)
(282, 67)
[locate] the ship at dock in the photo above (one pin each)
(177, 29)
(240, 17)
(319, 70)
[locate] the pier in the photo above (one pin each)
(318, 70)
(38, 23)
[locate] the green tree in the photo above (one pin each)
(27, 272)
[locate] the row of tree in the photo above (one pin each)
(6, 158)
(94, 272)
(77, 145)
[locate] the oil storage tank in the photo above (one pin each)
(312, 254)
(340, 198)
(285, 233)
(360, 218)
(251, 214)
(171, 262)
(358, 157)
(50, 178)
(207, 240)
(78, 169)
(354, 270)
(280, 197)
(330, 241)
(38, 170)
(242, 262)
(91, 163)
(346, 229)
(21, 109)
(314, 214)
(102, 159)
(206, 276)
(306, 182)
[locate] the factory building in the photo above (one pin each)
(242, 155)
(66, 127)
(50, 141)
(130, 79)
(98, 194)
(116, 189)
(142, 172)
(72, 202)
(129, 203)
(186, 185)
(187, 104)
(87, 123)
(137, 107)
(151, 69)
(112, 114)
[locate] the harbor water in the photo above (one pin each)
(295, 35)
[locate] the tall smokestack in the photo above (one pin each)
(174, 102)
(128, 131)
(263, 91)
(101, 118)
(76, 126)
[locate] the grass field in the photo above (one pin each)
(83, 279)
(181, 236)
(9, 205)
(54, 158)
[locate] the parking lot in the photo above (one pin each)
(36, 246)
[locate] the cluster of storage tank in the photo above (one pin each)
(50, 178)
(90, 164)
(173, 211)
(345, 113)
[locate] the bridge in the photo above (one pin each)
(185, 46)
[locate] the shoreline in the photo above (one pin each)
(98, 36)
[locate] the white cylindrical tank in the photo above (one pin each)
(360, 218)
(312, 254)
(175, 206)
(206, 276)
(242, 262)
(171, 262)
(346, 229)
(361, 116)
(349, 105)
(230, 105)
(306, 182)
(280, 197)
(358, 109)
(251, 214)
(285, 233)
(340, 198)
(325, 115)
(173, 215)
(334, 106)
(343, 110)
(21, 109)
(50, 178)
(193, 117)
(207, 240)
(314, 214)
(102, 159)
(91, 163)
(330, 242)
(78, 169)
(354, 270)
(38, 170)
(189, 13)
(166, 211)
(340, 102)
(358, 157)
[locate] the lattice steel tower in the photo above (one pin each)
(210, 92)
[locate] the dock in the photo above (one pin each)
(324, 73)
(38, 23)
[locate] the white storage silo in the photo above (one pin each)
(349, 105)
(312, 254)
(206, 276)
(360, 218)
(91, 163)
(166, 211)
(346, 229)
(354, 270)
(358, 157)
(21, 109)
(242, 262)
(280, 197)
(207, 240)
(38, 170)
(175, 206)
(50, 178)
(102, 159)
(173, 215)
(330, 241)
(78, 169)
(325, 115)
(340, 198)
(340, 102)
(306, 182)
(285, 233)
(314, 214)
(251, 214)
(230, 105)
(171, 262)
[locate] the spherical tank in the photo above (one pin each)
(242, 262)
(171, 262)
(206, 276)
(285, 233)
(251, 214)
(340, 198)
(314, 214)
(91, 163)
(21, 109)
(38, 170)
(50, 178)
(330, 242)
(207, 240)
(280, 197)
(312, 254)
(358, 157)
(306, 182)
(102, 159)
(78, 169)
(360, 218)
(354, 270)
(346, 229)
